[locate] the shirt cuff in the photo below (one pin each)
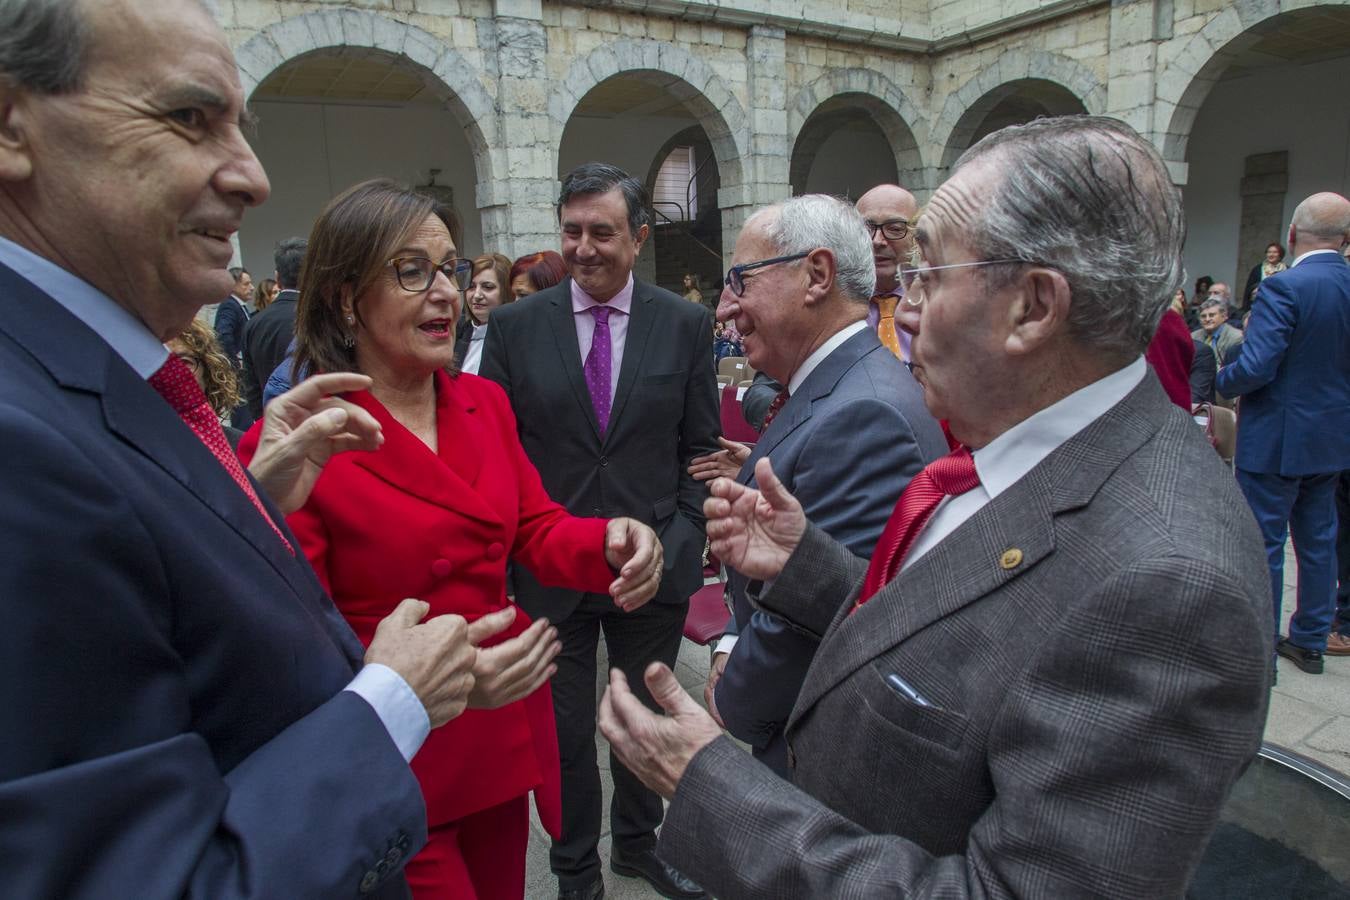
(726, 643)
(401, 713)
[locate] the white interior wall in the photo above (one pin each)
(312, 152)
(629, 142)
(851, 162)
(1301, 109)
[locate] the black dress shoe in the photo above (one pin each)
(664, 880)
(1309, 661)
(593, 891)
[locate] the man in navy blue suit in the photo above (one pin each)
(1293, 375)
(846, 435)
(184, 711)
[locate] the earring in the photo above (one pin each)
(349, 341)
(351, 320)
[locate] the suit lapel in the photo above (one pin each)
(564, 330)
(641, 314)
(404, 462)
(969, 564)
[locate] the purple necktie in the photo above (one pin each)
(597, 367)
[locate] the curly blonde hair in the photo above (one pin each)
(202, 352)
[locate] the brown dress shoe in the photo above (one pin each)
(1338, 644)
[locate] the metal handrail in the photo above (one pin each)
(681, 225)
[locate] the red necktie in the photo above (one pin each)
(946, 477)
(175, 383)
(774, 408)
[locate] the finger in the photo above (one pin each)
(736, 449)
(702, 460)
(406, 614)
(493, 623)
(666, 690)
(770, 487)
(313, 389)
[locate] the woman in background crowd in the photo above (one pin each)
(436, 513)
(691, 291)
(198, 347)
(535, 271)
(1273, 262)
(487, 291)
(264, 294)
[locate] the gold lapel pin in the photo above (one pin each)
(1011, 558)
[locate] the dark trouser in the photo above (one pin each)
(633, 640)
(1343, 554)
(1305, 506)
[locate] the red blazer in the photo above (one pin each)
(404, 522)
(1171, 353)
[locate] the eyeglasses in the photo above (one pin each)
(416, 273)
(891, 229)
(736, 274)
(912, 277)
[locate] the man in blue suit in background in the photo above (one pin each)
(846, 435)
(1293, 375)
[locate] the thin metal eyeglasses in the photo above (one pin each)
(416, 273)
(736, 274)
(912, 276)
(891, 229)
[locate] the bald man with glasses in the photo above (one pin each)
(889, 212)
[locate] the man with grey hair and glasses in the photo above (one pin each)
(846, 434)
(1053, 668)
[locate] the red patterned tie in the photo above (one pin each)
(949, 476)
(175, 383)
(774, 408)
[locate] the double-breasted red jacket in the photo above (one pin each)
(406, 522)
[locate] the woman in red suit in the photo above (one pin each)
(435, 513)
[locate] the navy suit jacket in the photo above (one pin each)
(170, 676)
(1293, 372)
(231, 317)
(845, 444)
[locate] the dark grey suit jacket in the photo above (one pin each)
(1088, 700)
(845, 445)
(665, 413)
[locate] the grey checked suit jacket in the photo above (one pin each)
(845, 444)
(1089, 703)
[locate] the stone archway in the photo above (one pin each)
(467, 100)
(871, 93)
(690, 79)
(971, 103)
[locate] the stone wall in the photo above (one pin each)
(927, 73)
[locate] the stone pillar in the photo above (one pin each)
(1131, 87)
(765, 167)
(517, 205)
(1265, 183)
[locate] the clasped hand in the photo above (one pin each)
(725, 463)
(635, 552)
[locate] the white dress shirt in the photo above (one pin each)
(1017, 451)
(473, 357)
(399, 709)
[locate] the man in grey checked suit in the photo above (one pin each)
(1054, 692)
(849, 438)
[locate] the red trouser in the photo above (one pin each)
(478, 857)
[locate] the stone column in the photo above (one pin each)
(517, 205)
(766, 164)
(1131, 87)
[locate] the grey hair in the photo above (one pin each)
(1213, 302)
(42, 44)
(1089, 197)
(802, 224)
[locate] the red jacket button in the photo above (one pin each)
(495, 551)
(440, 568)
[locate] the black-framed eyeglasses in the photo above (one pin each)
(416, 273)
(891, 229)
(736, 274)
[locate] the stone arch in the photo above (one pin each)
(701, 89)
(467, 100)
(1189, 67)
(874, 93)
(967, 106)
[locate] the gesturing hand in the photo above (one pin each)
(436, 658)
(635, 550)
(754, 531)
(303, 428)
(656, 748)
(725, 463)
(515, 668)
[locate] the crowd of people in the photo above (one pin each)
(308, 583)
